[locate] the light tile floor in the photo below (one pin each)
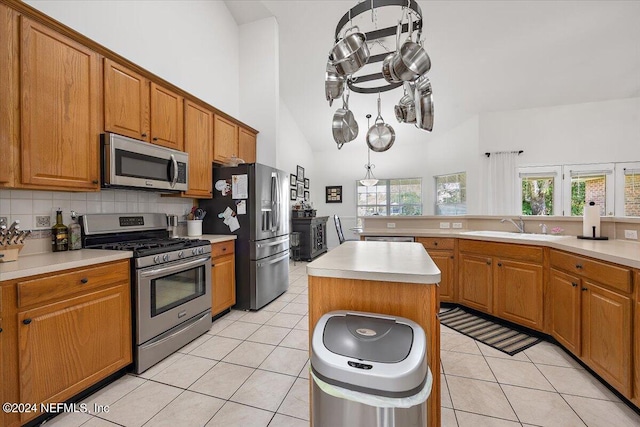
(251, 370)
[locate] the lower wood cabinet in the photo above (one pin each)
(636, 344)
(518, 295)
(60, 342)
(476, 282)
(441, 251)
(564, 314)
(223, 276)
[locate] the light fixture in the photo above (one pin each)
(369, 180)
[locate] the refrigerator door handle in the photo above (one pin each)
(278, 191)
(274, 206)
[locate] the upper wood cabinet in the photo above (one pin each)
(126, 102)
(198, 142)
(9, 96)
(246, 145)
(166, 118)
(225, 140)
(61, 109)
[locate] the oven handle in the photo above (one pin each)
(184, 327)
(174, 268)
(174, 162)
(273, 261)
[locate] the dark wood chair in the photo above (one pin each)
(336, 220)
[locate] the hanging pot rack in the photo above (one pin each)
(370, 5)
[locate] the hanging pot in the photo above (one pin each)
(424, 104)
(387, 68)
(333, 83)
(411, 60)
(406, 110)
(351, 53)
(380, 136)
(344, 125)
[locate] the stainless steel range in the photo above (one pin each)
(171, 281)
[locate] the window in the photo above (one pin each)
(588, 183)
(628, 189)
(451, 194)
(540, 192)
(389, 197)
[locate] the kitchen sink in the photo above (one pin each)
(512, 235)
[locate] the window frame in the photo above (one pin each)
(542, 172)
(436, 204)
(620, 186)
(592, 169)
(388, 193)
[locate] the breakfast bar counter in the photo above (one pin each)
(397, 279)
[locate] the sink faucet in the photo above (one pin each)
(519, 225)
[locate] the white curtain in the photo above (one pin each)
(502, 184)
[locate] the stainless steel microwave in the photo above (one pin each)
(129, 163)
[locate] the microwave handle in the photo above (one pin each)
(174, 164)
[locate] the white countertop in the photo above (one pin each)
(617, 251)
(30, 265)
(214, 238)
(383, 261)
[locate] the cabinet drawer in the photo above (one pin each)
(607, 274)
(435, 242)
(222, 248)
(506, 250)
(61, 285)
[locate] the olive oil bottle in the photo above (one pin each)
(75, 238)
(59, 234)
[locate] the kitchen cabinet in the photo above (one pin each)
(505, 280)
(223, 274)
(442, 252)
(564, 313)
(9, 94)
(166, 118)
(60, 110)
(225, 140)
(126, 102)
(246, 145)
(198, 142)
(67, 332)
(636, 342)
(313, 236)
(605, 306)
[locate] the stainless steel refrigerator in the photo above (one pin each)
(251, 201)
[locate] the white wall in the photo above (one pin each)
(260, 89)
(192, 44)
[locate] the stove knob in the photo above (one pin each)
(165, 257)
(200, 250)
(156, 259)
(194, 251)
(180, 254)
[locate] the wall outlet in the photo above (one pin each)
(43, 221)
(391, 225)
(444, 225)
(457, 225)
(631, 234)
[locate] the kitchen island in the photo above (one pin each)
(398, 279)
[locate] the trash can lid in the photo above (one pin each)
(368, 338)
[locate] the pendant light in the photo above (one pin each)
(369, 180)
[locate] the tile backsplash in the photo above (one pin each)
(25, 205)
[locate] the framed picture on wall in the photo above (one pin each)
(306, 196)
(294, 194)
(334, 194)
(300, 189)
(292, 180)
(300, 173)
(306, 183)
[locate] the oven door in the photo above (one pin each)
(171, 294)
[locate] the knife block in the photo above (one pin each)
(9, 253)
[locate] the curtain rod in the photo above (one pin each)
(500, 152)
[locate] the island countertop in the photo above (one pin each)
(381, 261)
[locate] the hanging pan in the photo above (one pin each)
(380, 136)
(344, 125)
(424, 104)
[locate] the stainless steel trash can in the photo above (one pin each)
(368, 370)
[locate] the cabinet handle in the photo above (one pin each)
(574, 284)
(95, 181)
(26, 321)
(499, 264)
(435, 243)
(488, 262)
(451, 257)
(155, 139)
(224, 249)
(585, 289)
(0, 329)
(578, 266)
(84, 280)
(144, 135)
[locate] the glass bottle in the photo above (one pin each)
(75, 237)
(59, 234)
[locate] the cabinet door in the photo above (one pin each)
(61, 105)
(224, 283)
(606, 334)
(636, 339)
(444, 262)
(247, 145)
(564, 295)
(97, 342)
(198, 142)
(476, 282)
(9, 96)
(126, 101)
(518, 292)
(225, 140)
(166, 118)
